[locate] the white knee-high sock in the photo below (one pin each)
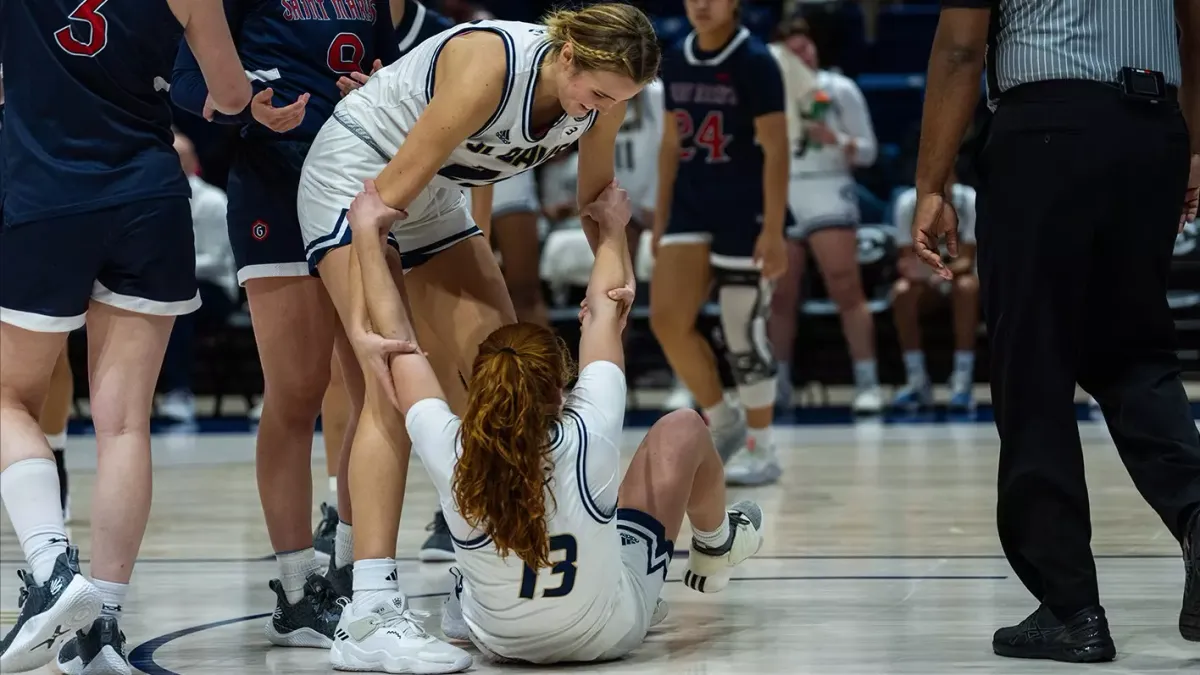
(31, 497)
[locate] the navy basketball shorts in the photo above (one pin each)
(140, 257)
(731, 236)
(263, 229)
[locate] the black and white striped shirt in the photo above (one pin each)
(1038, 40)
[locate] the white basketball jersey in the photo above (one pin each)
(561, 607)
(384, 110)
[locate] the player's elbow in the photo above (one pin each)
(231, 98)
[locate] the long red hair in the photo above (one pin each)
(514, 399)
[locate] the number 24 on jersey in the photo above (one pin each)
(708, 136)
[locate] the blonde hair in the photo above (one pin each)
(500, 480)
(612, 37)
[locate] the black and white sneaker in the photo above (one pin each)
(341, 579)
(50, 614)
(438, 547)
(98, 651)
(325, 536)
(308, 623)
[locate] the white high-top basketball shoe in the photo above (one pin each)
(709, 569)
(385, 636)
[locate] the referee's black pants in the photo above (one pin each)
(1077, 217)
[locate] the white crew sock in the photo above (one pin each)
(294, 570)
(113, 596)
(343, 545)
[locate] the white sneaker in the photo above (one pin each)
(752, 466)
(709, 569)
(661, 609)
(385, 636)
(868, 401)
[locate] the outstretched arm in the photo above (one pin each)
(604, 316)
(407, 373)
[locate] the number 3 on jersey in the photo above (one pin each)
(564, 568)
(346, 53)
(710, 135)
(88, 12)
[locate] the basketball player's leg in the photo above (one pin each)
(785, 314)
(293, 324)
(908, 298)
(515, 236)
(56, 411)
(675, 471)
(148, 279)
(836, 253)
(377, 473)
(335, 414)
(44, 294)
(964, 302)
(679, 287)
(744, 298)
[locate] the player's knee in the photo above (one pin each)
(681, 433)
(966, 285)
(845, 288)
(119, 414)
(744, 305)
(295, 396)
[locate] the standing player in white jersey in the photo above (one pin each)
(837, 138)
(561, 559)
(471, 106)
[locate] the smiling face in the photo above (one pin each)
(582, 91)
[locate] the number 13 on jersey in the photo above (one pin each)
(709, 135)
(564, 569)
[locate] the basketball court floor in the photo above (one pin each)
(881, 557)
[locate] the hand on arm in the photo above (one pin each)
(608, 300)
(383, 337)
(596, 171)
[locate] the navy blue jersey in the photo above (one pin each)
(715, 97)
(295, 47)
(87, 124)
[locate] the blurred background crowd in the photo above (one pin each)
(857, 336)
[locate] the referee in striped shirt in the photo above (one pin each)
(1084, 184)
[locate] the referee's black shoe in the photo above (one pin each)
(1082, 638)
(1189, 616)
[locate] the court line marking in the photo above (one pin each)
(142, 656)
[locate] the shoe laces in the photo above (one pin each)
(406, 621)
(24, 595)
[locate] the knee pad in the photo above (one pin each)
(744, 298)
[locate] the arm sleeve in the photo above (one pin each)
(597, 405)
(387, 49)
(856, 117)
(433, 429)
(189, 91)
(902, 216)
(762, 91)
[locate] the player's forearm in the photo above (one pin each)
(951, 94)
(384, 307)
(776, 168)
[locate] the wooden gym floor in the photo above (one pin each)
(881, 557)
